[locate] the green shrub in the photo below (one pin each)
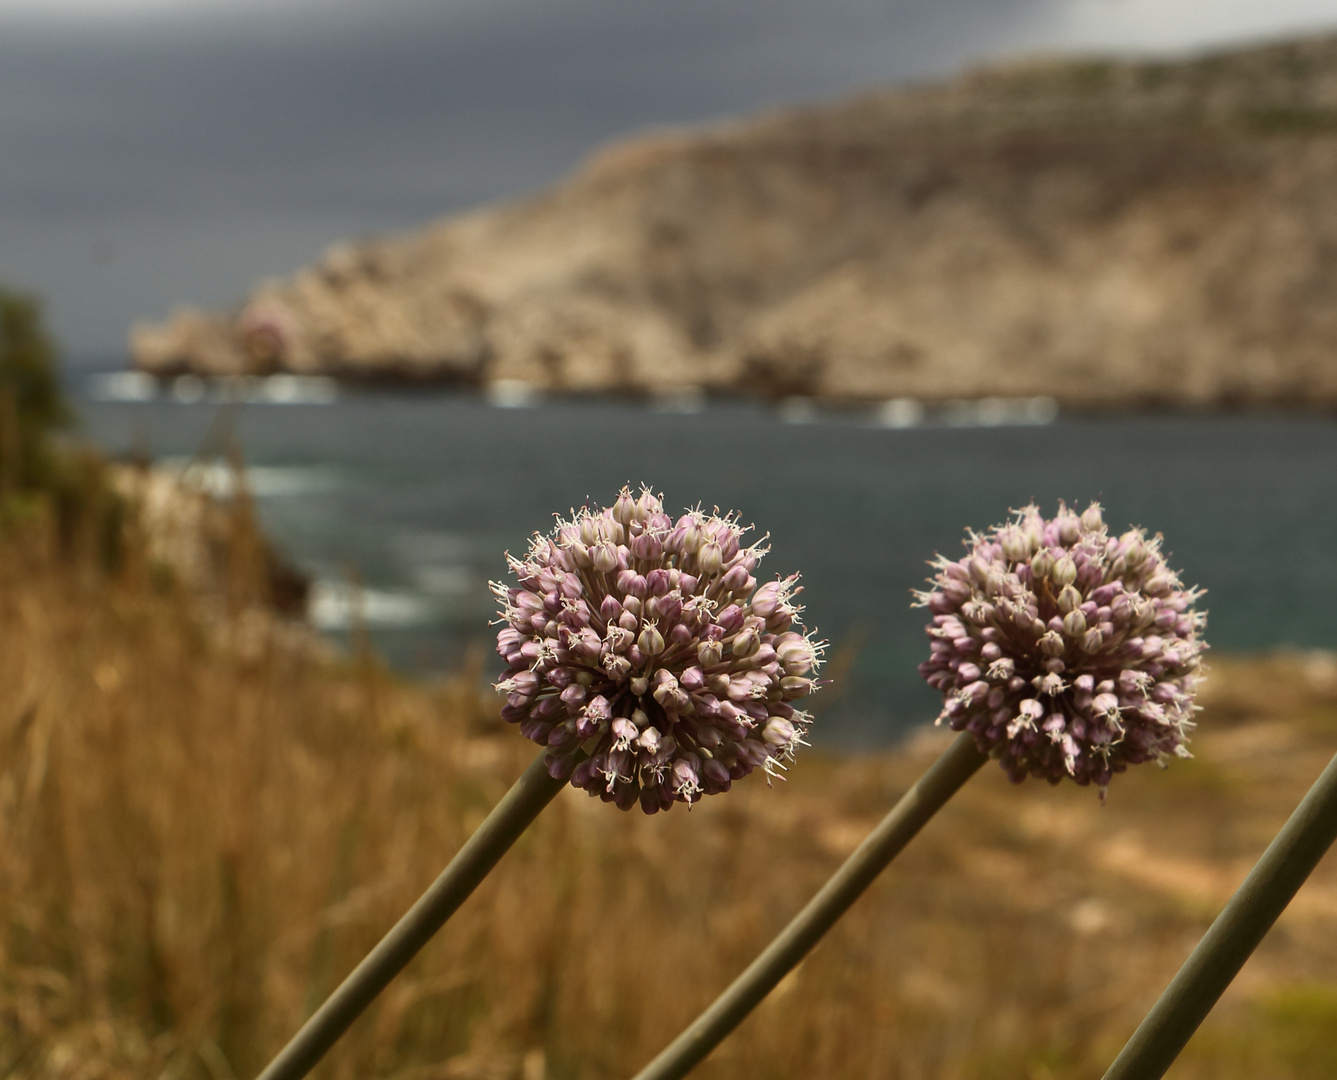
(31, 403)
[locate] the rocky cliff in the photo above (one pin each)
(1103, 232)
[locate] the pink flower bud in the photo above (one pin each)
(657, 582)
(730, 619)
(735, 580)
(745, 643)
(624, 510)
(778, 732)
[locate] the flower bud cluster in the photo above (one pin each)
(1064, 650)
(644, 656)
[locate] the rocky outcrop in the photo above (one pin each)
(1105, 233)
(211, 545)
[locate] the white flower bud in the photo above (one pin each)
(1015, 544)
(651, 641)
(1065, 571)
(711, 558)
(604, 557)
(1042, 565)
(1134, 548)
(709, 653)
(624, 510)
(1051, 644)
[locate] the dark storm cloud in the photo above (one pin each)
(238, 145)
(409, 111)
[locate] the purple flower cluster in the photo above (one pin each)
(1063, 650)
(644, 656)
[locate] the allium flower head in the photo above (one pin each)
(1063, 650)
(644, 655)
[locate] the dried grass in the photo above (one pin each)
(205, 823)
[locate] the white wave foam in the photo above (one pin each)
(334, 605)
(280, 390)
(1001, 412)
(899, 413)
(446, 580)
(512, 394)
(122, 386)
(219, 479)
(432, 547)
(193, 389)
(678, 399)
(797, 410)
(189, 389)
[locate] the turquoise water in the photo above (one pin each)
(416, 497)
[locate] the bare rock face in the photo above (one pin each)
(1105, 233)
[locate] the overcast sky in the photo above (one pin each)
(156, 152)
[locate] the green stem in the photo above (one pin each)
(509, 818)
(1242, 924)
(946, 776)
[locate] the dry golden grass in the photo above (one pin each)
(204, 825)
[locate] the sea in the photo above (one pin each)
(400, 504)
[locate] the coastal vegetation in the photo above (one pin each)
(204, 824)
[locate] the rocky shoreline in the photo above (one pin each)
(1105, 234)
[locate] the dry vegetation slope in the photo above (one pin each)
(1108, 233)
(203, 825)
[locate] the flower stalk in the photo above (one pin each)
(1061, 652)
(1232, 938)
(647, 661)
(481, 852)
(944, 778)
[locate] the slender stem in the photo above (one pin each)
(480, 853)
(946, 776)
(1242, 924)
